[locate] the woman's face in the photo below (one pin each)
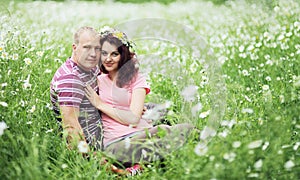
(110, 57)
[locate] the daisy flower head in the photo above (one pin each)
(27, 61)
(83, 147)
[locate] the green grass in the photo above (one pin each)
(255, 46)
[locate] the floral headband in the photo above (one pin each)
(106, 30)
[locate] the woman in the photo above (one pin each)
(122, 92)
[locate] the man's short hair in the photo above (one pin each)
(81, 30)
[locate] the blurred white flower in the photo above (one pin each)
(49, 106)
(297, 24)
(243, 55)
(289, 34)
(105, 28)
(281, 99)
(207, 132)
(276, 8)
(189, 93)
(247, 110)
(255, 144)
(47, 71)
(26, 82)
(40, 53)
(3, 126)
(4, 104)
(280, 37)
(254, 56)
(22, 103)
(229, 156)
(167, 104)
(245, 72)
(265, 87)
(268, 78)
(253, 175)
(297, 81)
(289, 165)
(204, 114)
(296, 146)
(49, 130)
(247, 98)
(64, 166)
(227, 123)
(15, 57)
(250, 47)
(241, 48)
(269, 62)
(32, 109)
(4, 55)
(265, 146)
(83, 147)
(224, 133)
(201, 149)
(27, 61)
(258, 164)
(196, 109)
(285, 146)
(3, 84)
(236, 144)
(259, 44)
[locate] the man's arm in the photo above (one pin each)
(71, 125)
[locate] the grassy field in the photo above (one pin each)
(244, 90)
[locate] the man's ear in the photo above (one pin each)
(74, 46)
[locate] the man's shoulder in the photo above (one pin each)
(67, 70)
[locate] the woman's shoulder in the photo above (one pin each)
(141, 75)
(102, 76)
(140, 80)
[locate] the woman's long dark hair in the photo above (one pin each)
(127, 67)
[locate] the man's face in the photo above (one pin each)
(87, 51)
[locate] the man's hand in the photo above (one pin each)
(71, 126)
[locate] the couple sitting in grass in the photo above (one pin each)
(98, 96)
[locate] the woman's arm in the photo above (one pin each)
(125, 117)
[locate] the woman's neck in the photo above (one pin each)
(112, 75)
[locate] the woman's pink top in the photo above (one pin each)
(119, 98)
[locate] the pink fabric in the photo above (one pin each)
(119, 98)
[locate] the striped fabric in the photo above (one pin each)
(67, 89)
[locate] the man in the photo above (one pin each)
(79, 118)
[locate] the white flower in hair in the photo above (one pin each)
(106, 30)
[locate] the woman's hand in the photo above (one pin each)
(92, 96)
